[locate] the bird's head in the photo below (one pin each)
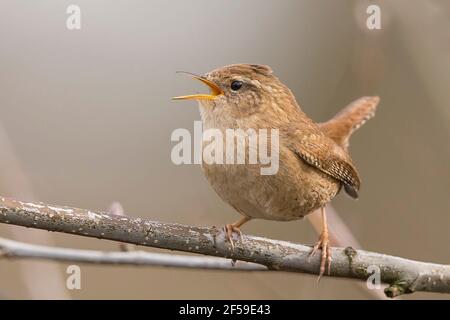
(242, 90)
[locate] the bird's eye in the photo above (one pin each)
(236, 85)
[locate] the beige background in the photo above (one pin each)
(89, 116)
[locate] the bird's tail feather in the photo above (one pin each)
(349, 119)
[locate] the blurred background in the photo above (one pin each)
(86, 119)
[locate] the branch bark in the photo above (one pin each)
(402, 275)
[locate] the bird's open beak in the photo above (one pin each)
(215, 91)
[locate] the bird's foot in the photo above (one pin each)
(229, 230)
(325, 259)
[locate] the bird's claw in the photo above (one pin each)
(229, 230)
(325, 259)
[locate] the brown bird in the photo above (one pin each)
(313, 157)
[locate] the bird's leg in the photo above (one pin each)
(324, 245)
(234, 227)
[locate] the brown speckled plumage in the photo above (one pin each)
(313, 158)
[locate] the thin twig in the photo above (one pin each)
(403, 275)
(15, 249)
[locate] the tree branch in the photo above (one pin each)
(15, 249)
(403, 275)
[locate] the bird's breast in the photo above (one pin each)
(296, 190)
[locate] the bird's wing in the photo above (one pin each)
(349, 119)
(321, 152)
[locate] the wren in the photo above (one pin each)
(314, 163)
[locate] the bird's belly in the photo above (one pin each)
(296, 190)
